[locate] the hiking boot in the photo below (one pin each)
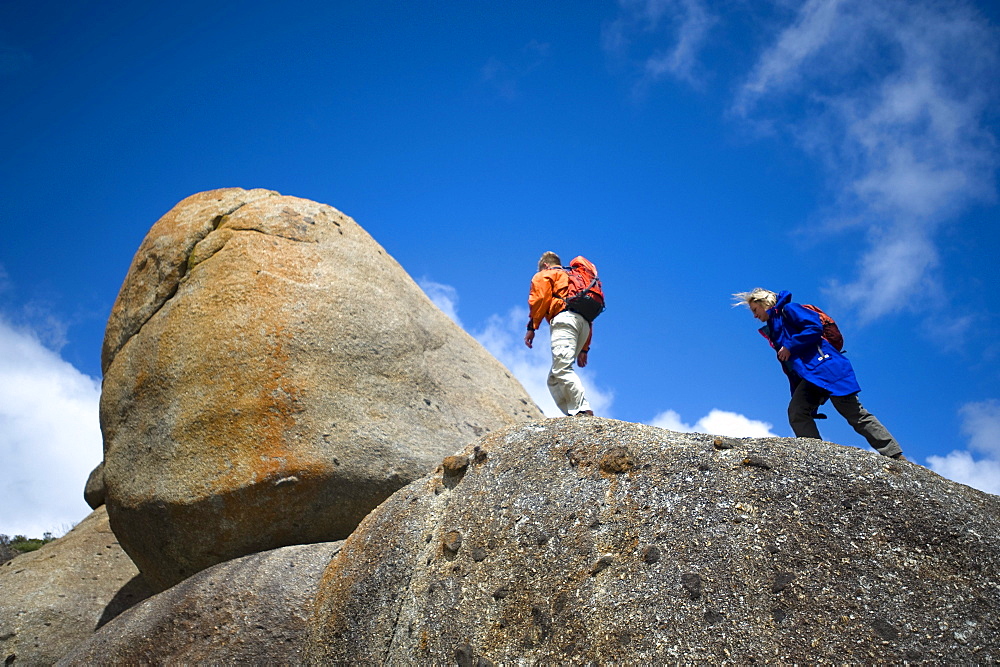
(899, 457)
(584, 413)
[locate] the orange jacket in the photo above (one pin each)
(544, 300)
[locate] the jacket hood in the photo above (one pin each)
(784, 296)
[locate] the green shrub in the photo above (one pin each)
(23, 544)
(28, 545)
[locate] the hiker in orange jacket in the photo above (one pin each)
(570, 333)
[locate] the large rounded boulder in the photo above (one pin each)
(590, 541)
(271, 374)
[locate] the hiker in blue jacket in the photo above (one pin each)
(816, 370)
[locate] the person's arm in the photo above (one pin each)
(539, 298)
(804, 329)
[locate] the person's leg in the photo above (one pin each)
(802, 409)
(569, 333)
(866, 424)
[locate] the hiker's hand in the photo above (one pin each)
(581, 359)
(784, 354)
(528, 337)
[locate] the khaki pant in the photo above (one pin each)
(569, 334)
(808, 397)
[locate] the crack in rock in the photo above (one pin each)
(280, 236)
(197, 253)
(182, 268)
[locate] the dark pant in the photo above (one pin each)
(808, 397)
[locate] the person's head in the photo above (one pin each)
(758, 300)
(549, 259)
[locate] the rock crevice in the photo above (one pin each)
(162, 260)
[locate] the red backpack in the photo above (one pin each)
(831, 332)
(585, 294)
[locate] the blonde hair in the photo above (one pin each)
(757, 294)
(548, 258)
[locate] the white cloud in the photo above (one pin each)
(684, 23)
(444, 297)
(778, 68)
(981, 424)
(681, 61)
(503, 337)
(959, 466)
(890, 272)
(505, 75)
(50, 438)
(892, 97)
(716, 422)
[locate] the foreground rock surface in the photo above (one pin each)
(595, 541)
(271, 375)
(252, 610)
(55, 598)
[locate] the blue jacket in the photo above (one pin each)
(813, 358)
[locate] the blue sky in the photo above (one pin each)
(845, 150)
